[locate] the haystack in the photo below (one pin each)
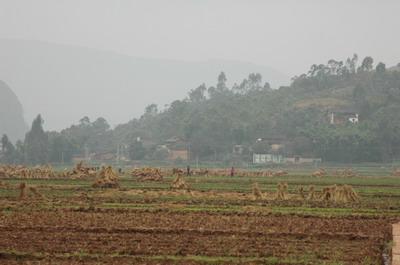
(107, 178)
(179, 183)
(348, 172)
(38, 172)
(345, 194)
(319, 173)
(257, 191)
(80, 171)
(268, 173)
(311, 193)
(302, 193)
(342, 194)
(22, 190)
(328, 193)
(282, 191)
(178, 172)
(44, 172)
(147, 174)
(280, 173)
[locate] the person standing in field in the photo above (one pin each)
(188, 170)
(232, 171)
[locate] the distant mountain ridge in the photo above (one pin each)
(11, 114)
(65, 83)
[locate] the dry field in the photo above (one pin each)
(213, 220)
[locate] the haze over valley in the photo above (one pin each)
(199, 132)
(65, 83)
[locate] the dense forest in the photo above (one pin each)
(212, 120)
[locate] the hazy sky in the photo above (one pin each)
(288, 35)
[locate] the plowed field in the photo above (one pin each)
(217, 221)
(144, 236)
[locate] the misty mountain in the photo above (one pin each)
(65, 83)
(11, 114)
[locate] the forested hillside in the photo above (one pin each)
(308, 117)
(213, 120)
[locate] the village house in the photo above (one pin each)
(177, 149)
(302, 160)
(269, 150)
(279, 151)
(343, 116)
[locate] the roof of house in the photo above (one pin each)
(345, 110)
(274, 139)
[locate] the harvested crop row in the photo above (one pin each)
(351, 249)
(372, 227)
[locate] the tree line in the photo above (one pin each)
(212, 120)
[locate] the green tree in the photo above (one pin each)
(367, 64)
(85, 121)
(351, 64)
(151, 110)
(100, 125)
(381, 68)
(8, 152)
(255, 80)
(387, 130)
(221, 85)
(20, 152)
(92, 136)
(60, 148)
(267, 86)
(36, 143)
(197, 94)
(211, 126)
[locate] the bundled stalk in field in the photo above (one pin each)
(147, 174)
(107, 178)
(282, 191)
(179, 183)
(302, 193)
(22, 188)
(38, 172)
(319, 173)
(342, 194)
(178, 172)
(256, 191)
(311, 193)
(280, 173)
(345, 194)
(348, 172)
(80, 171)
(328, 193)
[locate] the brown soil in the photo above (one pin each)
(133, 234)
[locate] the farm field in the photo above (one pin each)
(218, 220)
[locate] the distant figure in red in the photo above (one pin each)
(232, 171)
